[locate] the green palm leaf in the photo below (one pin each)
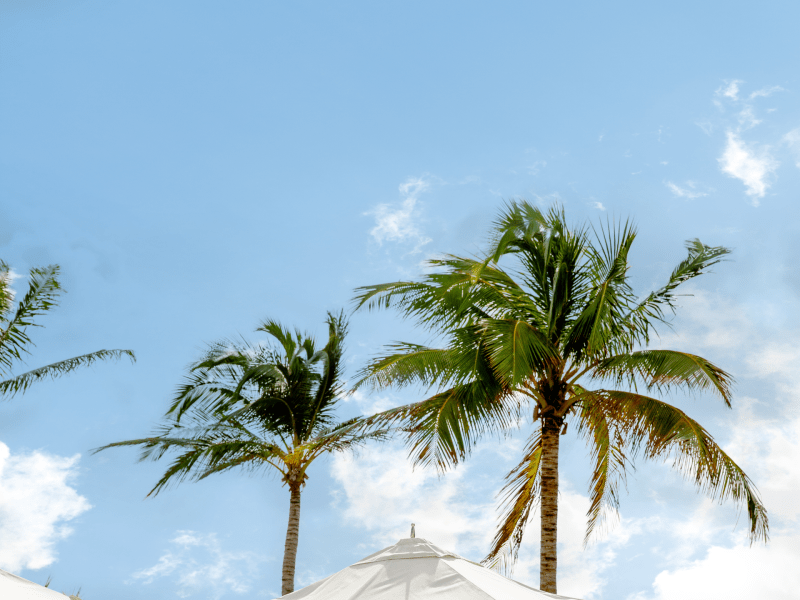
(660, 431)
(519, 497)
(20, 383)
(666, 369)
(42, 295)
(610, 463)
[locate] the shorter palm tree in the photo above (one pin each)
(42, 295)
(256, 406)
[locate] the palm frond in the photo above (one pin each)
(660, 303)
(608, 455)
(518, 220)
(408, 364)
(281, 334)
(443, 429)
(520, 495)
(329, 388)
(608, 297)
(42, 295)
(6, 291)
(463, 291)
(518, 350)
(666, 369)
(345, 436)
(20, 383)
(203, 450)
(660, 431)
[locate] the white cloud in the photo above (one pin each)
(690, 191)
(198, 563)
(752, 167)
(598, 205)
(769, 451)
(369, 404)
(35, 503)
(747, 119)
(793, 140)
(400, 223)
(767, 91)
(715, 325)
(731, 90)
(582, 572)
(381, 493)
(765, 443)
(740, 571)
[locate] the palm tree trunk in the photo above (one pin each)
(292, 538)
(551, 429)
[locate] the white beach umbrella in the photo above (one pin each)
(13, 587)
(415, 569)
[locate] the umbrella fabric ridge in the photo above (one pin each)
(416, 569)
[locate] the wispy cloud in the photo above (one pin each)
(769, 451)
(747, 119)
(730, 89)
(400, 223)
(706, 126)
(381, 493)
(36, 502)
(740, 571)
(369, 404)
(690, 191)
(729, 94)
(753, 167)
(765, 92)
(598, 205)
(198, 564)
(792, 139)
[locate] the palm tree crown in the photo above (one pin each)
(536, 337)
(42, 295)
(259, 407)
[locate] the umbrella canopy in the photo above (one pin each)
(415, 569)
(13, 587)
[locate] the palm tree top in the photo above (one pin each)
(530, 329)
(565, 305)
(257, 405)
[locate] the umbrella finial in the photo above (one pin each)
(413, 534)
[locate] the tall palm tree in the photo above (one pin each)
(42, 295)
(551, 335)
(259, 407)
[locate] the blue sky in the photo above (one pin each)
(195, 167)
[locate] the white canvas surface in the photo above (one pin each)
(13, 587)
(415, 569)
